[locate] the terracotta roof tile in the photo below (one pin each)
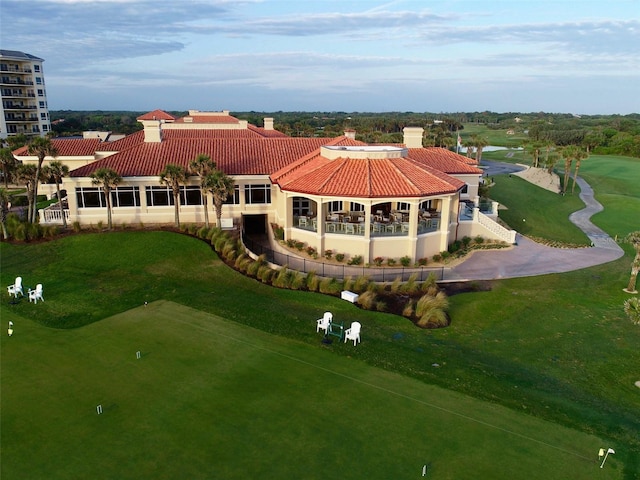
(444, 160)
(372, 178)
(228, 119)
(157, 115)
(67, 147)
(235, 156)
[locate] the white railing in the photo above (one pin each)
(494, 227)
(51, 215)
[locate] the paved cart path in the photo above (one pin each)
(528, 258)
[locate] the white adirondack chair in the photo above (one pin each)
(36, 294)
(16, 288)
(324, 322)
(353, 333)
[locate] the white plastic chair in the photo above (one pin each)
(324, 322)
(353, 333)
(16, 288)
(36, 294)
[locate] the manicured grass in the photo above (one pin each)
(211, 398)
(537, 212)
(557, 347)
(493, 136)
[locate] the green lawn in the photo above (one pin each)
(211, 398)
(555, 347)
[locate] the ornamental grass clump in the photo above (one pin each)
(431, 310)
(361, 284)
(368, 300)
(313, 282)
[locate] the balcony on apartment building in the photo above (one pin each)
(15, 81)
(15, 69)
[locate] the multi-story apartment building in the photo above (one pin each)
(24, 95)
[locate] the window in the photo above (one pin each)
(45, 128)
(426, 205)
(41, 103)
(35, 129)
(356, 207)
(301, 206)
(465, 189)
(233, 199)
(335, 206)
(257, 194)
(160, 196)
(40, 92)
(190, 195)
(43, 116)
(38, 80)
(90, 197)
(403, 206)
(36, 68)
(125, 197)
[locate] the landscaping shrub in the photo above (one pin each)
(378, 261)
(381, 306)
(360, 285)
(203, 232)
(348, 283)
(297, 281)
(278, 232)
(330, 286)
(405, 261)
(357, 260)
(422, 261)
(408, 309)
(313, 282)
(265, 274)
(367, 300)
(391, 262)
(395, 285)
(328, 254)
(76, 226)
(340, 257)
(411, 285)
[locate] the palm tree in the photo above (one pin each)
(632, 309)
(202, 166)
(174, 176)
(26, 175)
(9, 164)
(4, 211)
(479, 142)
(634, 239)
(220, 186)
(41, 147)
(58, 171)
(580, 155)
(108, 179)
(568, 154)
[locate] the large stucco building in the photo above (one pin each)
(336, 194)
(24, 95)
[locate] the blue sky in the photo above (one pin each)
(579, 56)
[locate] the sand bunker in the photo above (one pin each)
(541, 177)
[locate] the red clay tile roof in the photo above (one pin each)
(357, 177)
(235, 156)
(67, 147)
(208, 119)
(126, 142)
(444, 160)
(156, 115)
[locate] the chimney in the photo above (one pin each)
(268, 123)
(350, 133)
(152, 131)
(413, 136)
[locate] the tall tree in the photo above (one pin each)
(568, 154)
(202, 166)
(479, 143)
(26, 175)
(4, 211)
(221, 187)
(108, 179)
(174, 176)
(9, 164)
(580, 155)
(41, 147)
(634, 239)
(57, 170)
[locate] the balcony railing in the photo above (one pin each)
(51, 214)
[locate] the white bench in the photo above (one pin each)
(349, 296)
